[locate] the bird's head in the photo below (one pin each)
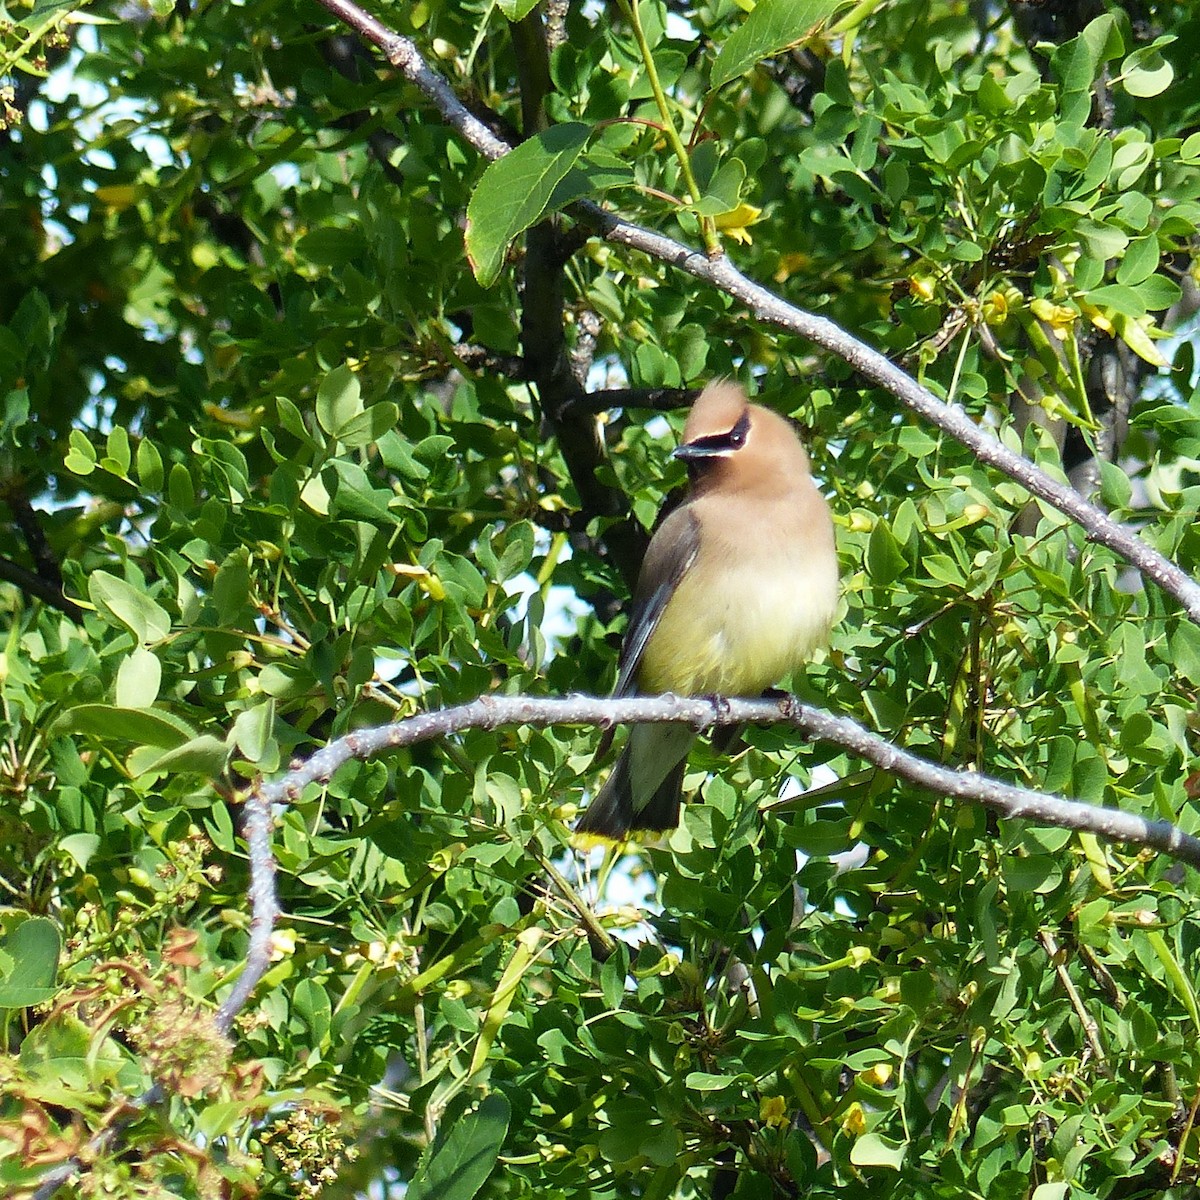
(728, 439)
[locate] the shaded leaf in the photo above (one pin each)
(33, 948)
(460, 1164)
(151, 726)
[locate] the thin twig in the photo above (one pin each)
(66, 1171)
(657, 399)
(1090, 1028)
(483, 358)
(767, 306)
(264, 906)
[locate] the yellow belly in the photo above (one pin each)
(738, 634)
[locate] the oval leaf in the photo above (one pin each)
(138, 679)
(871, 1150)
(148, 726)
(459, 1166)
(33, 948)
(127, 606)
(773, 26)
(515, 191)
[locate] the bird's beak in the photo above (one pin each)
(695, 451)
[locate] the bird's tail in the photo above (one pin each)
(611, 815)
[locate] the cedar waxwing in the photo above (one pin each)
(738, 588)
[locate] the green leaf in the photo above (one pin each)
(517, 552)
(339, 400)
(724, 191)
(180, 488)
(873, 1150)
(773, 26)
(1118, 298)
(592, 175)
(150, 726)
(514, 193)
(128, 606)
(1031, 873)
(354, 496)
(149, 466)
(202, 755)
(1185, 651)
(119, 454)
(1158, 293)
(515, 10)
(705, 1081)
(459, 1166)
(1051, 1191)
(885, 561)
(311, 1002)
(331, 246)
(1116, 489)
(138, 679)
(252, 730)
(33, 948)
(1078, 61)
(369, 426)
(231, 587)
(81, 457)
(80, 847)
(1146, 73)
(1140, 260)
(1100, 240)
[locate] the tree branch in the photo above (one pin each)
(258, 821)
(657, 399)
(767, 306)
(543, 337)
(482, 358)
(35, 585)
(702, 713)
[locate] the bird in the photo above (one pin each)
(739, 586)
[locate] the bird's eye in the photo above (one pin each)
(736, 437)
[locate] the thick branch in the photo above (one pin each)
(765, 305)
(703, 713)
(544, 342)
(264, 907)
(43, 589)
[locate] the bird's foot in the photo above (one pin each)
(721, 710)
(785, 700)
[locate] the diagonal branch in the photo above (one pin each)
(764, 304)
(43, 589)
(705, 713)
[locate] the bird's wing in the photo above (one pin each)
(671, 552)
